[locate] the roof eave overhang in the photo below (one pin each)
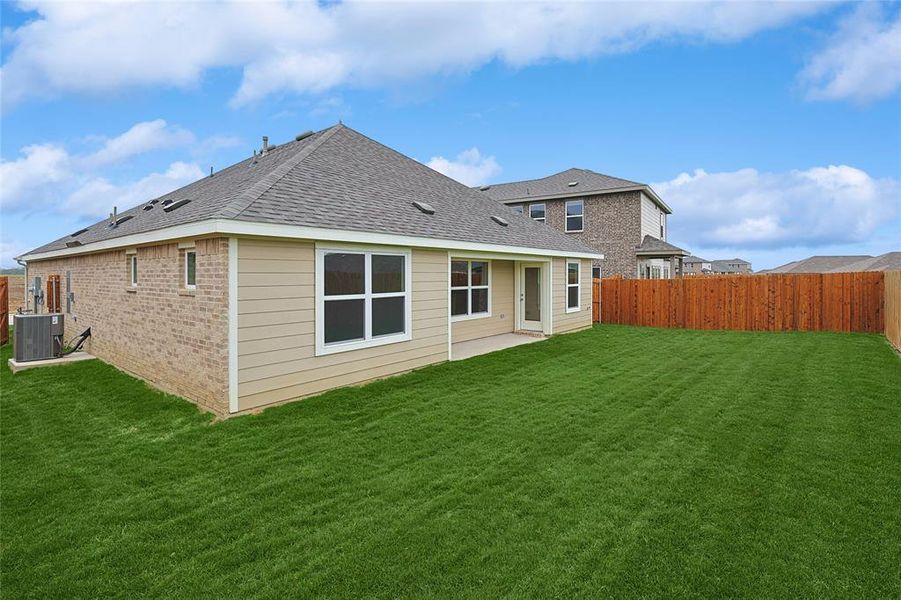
(582, 193)
(661, 253)
(230, 227)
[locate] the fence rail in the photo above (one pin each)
(4, 310)
(893, 308)
(772, 302)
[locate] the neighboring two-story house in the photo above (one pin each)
(732, 266)
(695, 265)
(624, 220)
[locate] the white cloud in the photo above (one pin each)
(469, 168)
(9, 250)
(97, 196)
(747, 209)
(48, 178)
(141, 138)
(308, 47)
(862, 61)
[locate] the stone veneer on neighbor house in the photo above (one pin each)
(174, 338)
(611, 225)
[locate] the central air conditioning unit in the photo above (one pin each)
(37, 337)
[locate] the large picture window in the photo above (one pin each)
(573, 286)
(574, 210)
(470, 295)
(363, 299)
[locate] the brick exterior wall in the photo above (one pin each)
(611, 225)
(175, 339)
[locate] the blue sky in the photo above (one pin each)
(774, 131)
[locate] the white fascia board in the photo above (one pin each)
(585, 193)
(246, 228)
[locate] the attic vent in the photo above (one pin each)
(485, 187)
(573, 183)
(73, 244)
(499, 220)
(121, 220)
(426, 208)
(154, 201)
(79, 232)
(178, 204)
(167, 202)
(148, 207)
(303, 136)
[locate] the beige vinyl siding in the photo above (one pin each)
(276, 338)
(564, 321)
(650, 219)
(502, 298)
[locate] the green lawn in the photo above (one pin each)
(618, 461)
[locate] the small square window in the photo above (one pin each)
(536, 211)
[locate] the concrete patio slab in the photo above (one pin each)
(463, 350)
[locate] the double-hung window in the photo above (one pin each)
(470, 295)
(574, 210)
(536, 211)
(573, 286)
(190, 269)
(363, 299)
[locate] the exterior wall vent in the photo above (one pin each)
(499, 220)
(178, 204)
(422, 206)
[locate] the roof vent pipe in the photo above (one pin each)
(265, 144)
(112, 217)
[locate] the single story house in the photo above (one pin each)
(327, 261)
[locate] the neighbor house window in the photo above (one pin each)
(536, 211)
(596, 272)
(574, 210)
(517, 208)
(190, 269)
(469, 288)
(133, 270)
(363, 299)
(663, 226)
(573, 285)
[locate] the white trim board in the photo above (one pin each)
(231, 227)
(585, 193)
(233, 325)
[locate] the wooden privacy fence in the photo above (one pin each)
(4, 310)
(776, 302)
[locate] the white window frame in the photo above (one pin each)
(133, 269)
(577, 285)
(543, 206)
(368, 340)
(190, 286)
(469, 287)
(567, 216)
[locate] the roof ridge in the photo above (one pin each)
(253, 193)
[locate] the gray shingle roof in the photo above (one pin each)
(890, 261)
(339, 179)
(694, 259)
(653, 246)
(817, 264)
(586, 181)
